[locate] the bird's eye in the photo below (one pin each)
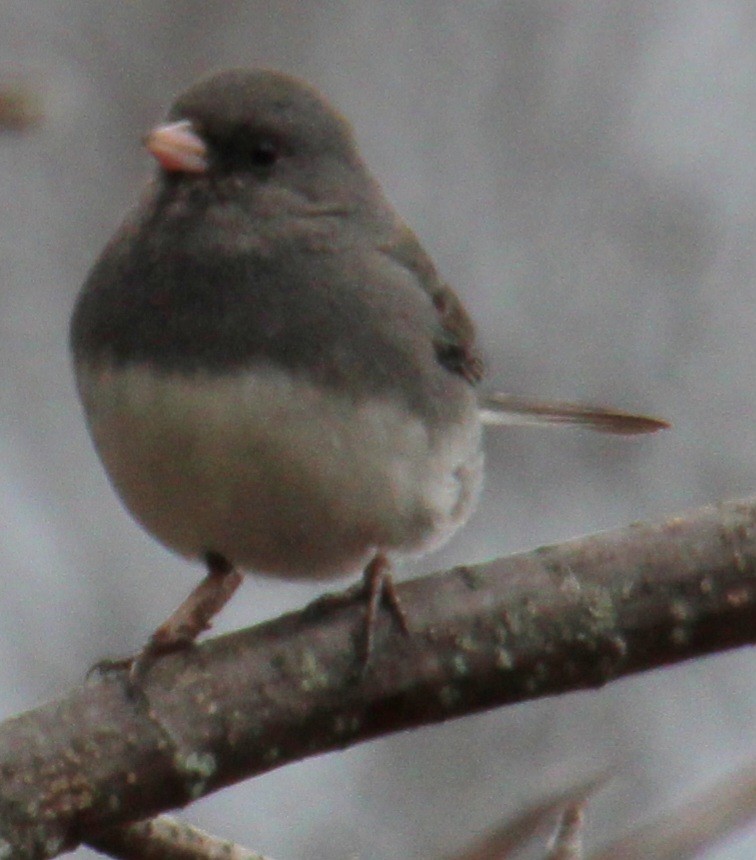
(264, 153)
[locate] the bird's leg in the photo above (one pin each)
(378, 586)
(192, 617)
(185, 624)
(196, 613)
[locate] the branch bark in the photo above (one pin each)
(558, 619)
(166, 838)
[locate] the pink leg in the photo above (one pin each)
(379, 586)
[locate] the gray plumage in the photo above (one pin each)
(273, 372)
(234, 297)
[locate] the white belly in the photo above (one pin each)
(275, 474)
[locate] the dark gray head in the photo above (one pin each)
(249, 117)
(263, 126)
(260, 241)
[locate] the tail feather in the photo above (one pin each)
(510, 409)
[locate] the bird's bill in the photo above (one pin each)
(178, 148)
(510, 409)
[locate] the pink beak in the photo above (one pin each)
(178, 148)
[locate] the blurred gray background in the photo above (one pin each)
(585, 174)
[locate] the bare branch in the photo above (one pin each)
(511, 837)
(20, 105)
(166, 838)
(557, 619)
(567, 843)
(704, 822)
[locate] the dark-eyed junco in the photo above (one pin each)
(274, 375)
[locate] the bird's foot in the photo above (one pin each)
(378, 587)
(180, 630)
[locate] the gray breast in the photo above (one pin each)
(312, 298)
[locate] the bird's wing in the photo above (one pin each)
(455, 339)
(457, 351)
(511, 409)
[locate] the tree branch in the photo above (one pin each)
(557, 619)
(511, 837)
(166, 838)
(704, 821)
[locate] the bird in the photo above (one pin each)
(273, 373)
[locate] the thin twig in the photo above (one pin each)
(167, 838)
(20, 106)
(567, 843)
(702, 823)
(511, 837)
